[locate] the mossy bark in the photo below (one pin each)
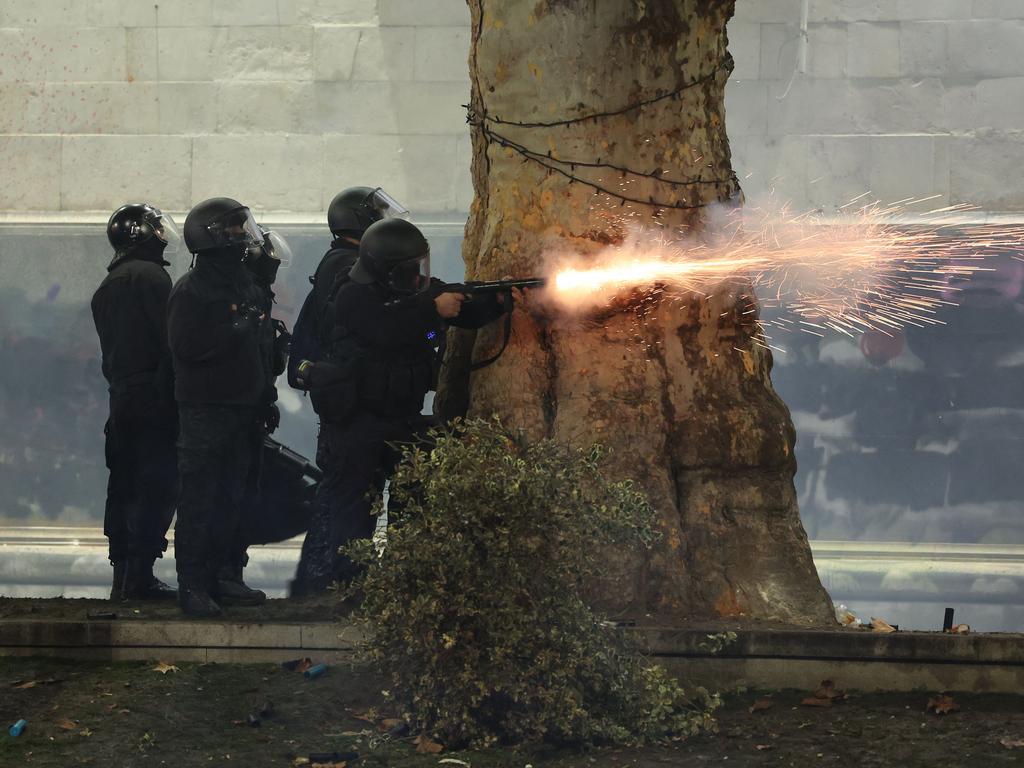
(675, 386)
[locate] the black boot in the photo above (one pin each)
(197, 602)
(117, 587)
(141, 584)
(231, 590)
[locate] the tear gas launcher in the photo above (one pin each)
(490, 287)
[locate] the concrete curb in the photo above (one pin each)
(759, 658)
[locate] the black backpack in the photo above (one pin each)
(312, 332)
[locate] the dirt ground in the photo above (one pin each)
(130, 714)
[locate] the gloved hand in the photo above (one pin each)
(272, 418)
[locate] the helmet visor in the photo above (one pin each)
(167, 231)
(276, 247)
(387, 206)
(411, 276)
(237, 227)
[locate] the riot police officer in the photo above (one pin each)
(129, 310)
(263, 262)
(216, 319)
(351, 211)
(389, 316)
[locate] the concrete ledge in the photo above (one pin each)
(760, 657)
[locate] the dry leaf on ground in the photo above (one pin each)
(827, 690)
(1012, 743)
(881, 625)
(341, 764)
(369, 716)
(26, 685)
(942, 705)
(427, 747)
(763, 747)
(388, 723)
(163, 668)
(67, 725)
(760, 705)
(812, 701)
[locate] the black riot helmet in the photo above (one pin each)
(221, 222)
(394, 254)
(353, 210)
(134, 224)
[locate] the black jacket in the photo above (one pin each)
(217, 355)
(393, 342)
(130, 312)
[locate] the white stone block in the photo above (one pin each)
(424, 13)
(192, 53)
(923, 49)
(385, 53)
(277, 107)
(356, 107)
(986, 48)
(432, 107)
(329, 12)
(334, 51)
(997, 9)
(909, 166)
(267, 173)
(957, 110)
(53, 14)
(464, 191)
(237, 53)
(15, 100)
(268, 53)
(246, 13)
(72, 108)
(811, 106)
(786, 11)
(999, 103)
(826, 50)
(442, 53)
(873, 50)
(925, 10)
(190, 108)
(771, 170)
(852, 10)
(418, 170)
(780, 44)
(746, 107)
(837, 170)
(983, 170)
(185, 13)
(54, 54)
(141, 58)
(745, 47)
(99, 173)
(31, 173)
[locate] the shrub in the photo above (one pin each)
(474, 607)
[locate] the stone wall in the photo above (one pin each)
(903, 98)
(280, 103)
(283, 102)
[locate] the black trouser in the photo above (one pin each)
(143, 483)
(357, 458)
(215, 450)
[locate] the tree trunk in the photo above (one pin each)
(675, 386)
